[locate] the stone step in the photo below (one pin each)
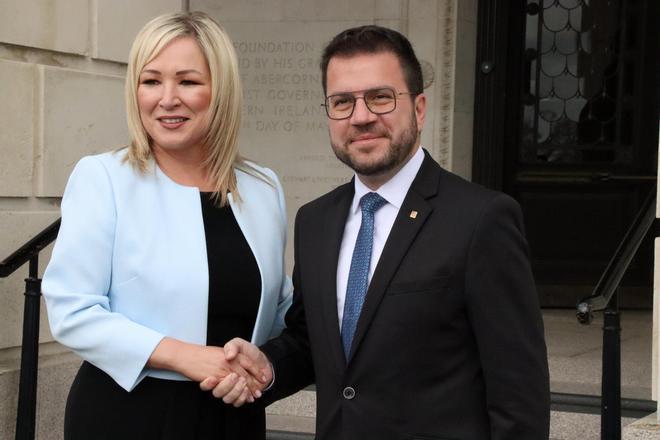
(647, 428)
(563, 426)
(285, 435)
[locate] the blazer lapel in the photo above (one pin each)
(329, 244)
(403, 233)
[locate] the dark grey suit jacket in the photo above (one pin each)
(450, 342)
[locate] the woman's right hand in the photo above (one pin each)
(252, 360)
(199, 362)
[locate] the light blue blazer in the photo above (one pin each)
(129, 266)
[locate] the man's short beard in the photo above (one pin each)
(397, 153)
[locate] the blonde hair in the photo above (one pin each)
(221, 139)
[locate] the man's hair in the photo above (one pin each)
(371, 39)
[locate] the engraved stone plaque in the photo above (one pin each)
(284, 125)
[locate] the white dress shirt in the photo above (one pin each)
(394, 191)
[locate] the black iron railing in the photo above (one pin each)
(605, 299)
(27, 387)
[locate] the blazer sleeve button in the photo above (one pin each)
(348, 393)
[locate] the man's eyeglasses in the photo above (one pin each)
(378, 101)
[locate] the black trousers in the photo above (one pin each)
(156, 409)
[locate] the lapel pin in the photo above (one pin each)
(413, 214)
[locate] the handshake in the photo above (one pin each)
(237, 372)
(244, 373)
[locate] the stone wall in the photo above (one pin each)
(62, 65)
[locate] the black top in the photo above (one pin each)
(234, 279)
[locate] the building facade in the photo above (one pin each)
(62, 67)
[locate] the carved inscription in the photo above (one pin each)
(282, 86)
(282, 110)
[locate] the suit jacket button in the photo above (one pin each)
(348, 393)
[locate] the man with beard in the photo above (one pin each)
(414, 306)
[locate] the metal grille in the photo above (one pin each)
(578, 79)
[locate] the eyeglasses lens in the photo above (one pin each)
(378, 101)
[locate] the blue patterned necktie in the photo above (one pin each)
(358, 276)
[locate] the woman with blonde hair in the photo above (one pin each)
(169, 248)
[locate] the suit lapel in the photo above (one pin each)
(329, 244)
(403, 233)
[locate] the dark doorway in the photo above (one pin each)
(566, 121)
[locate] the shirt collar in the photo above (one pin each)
(395, 189)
